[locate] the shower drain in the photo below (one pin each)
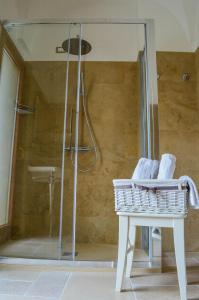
(69, 253)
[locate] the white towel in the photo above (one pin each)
(146, 169)
(143, 169)
(155, 169)
(167, 166)
(193, 192)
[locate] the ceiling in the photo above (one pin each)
(109, 42)
(176, 26)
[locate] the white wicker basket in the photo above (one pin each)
(150, 196)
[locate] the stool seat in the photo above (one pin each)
(127, 234)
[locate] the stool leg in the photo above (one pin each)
(131, 250)
(122, 247)
(180, 256)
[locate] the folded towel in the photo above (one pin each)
(146, 169)
(193, 192)
(155, 169)
(143, 169)
(167, 166)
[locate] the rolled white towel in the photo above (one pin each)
(193, 192)
(155, 169)
(167, 166)
(143, 169)
(146, 169)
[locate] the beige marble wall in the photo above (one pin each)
(39, 144)
(112, 105)
(111, 89)
(197, 71)
(179, 127)
(112, 102)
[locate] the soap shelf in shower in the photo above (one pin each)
(24, 109)
(80, 148)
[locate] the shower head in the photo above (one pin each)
(74, 46)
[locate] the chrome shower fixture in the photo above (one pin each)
(186, 76)
(72, 45)
(24, 109)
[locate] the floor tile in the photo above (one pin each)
(9, 297)
(90, 285)
(155, 279)
(188, 254)
(170, 261)
(49, 284)
(17, 274)
(167, 278)
(193, 277)
(164, 293)
(14, 287)
(95, 286)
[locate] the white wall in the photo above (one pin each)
(68, 8)
(171, 27)
(177, 22)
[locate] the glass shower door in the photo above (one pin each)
(67, 233)
(44, 212)
(37, 191)
(149, 145)
(146, 146)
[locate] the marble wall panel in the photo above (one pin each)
(112, 105)
(179, 127)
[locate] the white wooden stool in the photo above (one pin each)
(127, 233)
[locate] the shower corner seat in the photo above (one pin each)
(50, 175)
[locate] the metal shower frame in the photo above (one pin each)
(151, 96)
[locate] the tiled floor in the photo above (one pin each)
(58, 282)
(48, 248)
(192, 259)
(49, 283)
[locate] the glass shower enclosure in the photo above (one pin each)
(77, 124)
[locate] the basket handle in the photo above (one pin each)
(146, 188)
(161, 188)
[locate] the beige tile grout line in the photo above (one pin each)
(134, 293)
(33, 282)
(20, 280)
(65, 286)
